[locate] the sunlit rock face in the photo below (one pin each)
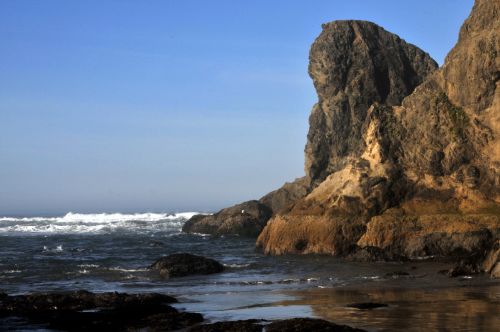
(400, 156)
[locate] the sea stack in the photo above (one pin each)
(400, 156)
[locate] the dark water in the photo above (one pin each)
(101, 256)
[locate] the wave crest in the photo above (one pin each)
(96, 223)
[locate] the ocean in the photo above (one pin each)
(112, 252)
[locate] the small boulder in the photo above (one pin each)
(86, 311)
(183, 264)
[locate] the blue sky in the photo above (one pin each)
(169, 105)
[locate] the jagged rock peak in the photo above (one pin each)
(354, 64)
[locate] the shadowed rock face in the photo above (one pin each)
(400, 157)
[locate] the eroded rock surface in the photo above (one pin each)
(400, 156)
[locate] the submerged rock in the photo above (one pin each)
(180, 265)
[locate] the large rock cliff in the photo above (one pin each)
(353, 64)
(400, 157)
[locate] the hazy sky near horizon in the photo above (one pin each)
(169, 105)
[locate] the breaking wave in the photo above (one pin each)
(98, 223)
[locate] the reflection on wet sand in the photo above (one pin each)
(467, 308)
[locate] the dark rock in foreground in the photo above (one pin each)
(85, 311)
(80, 300)
(180, 265)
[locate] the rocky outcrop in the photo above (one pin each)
(246, 219)
(180, 265)
(400, 157)
(249, 218)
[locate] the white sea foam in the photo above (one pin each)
(235, 266)
(96, 223)
(88, 265)
(12, 271)
(59, 248)
(127, 270)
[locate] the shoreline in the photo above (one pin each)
(471, 305)
(409, 302)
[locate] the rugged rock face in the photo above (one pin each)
(410, 170)
(180, 265)
(354, 64)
